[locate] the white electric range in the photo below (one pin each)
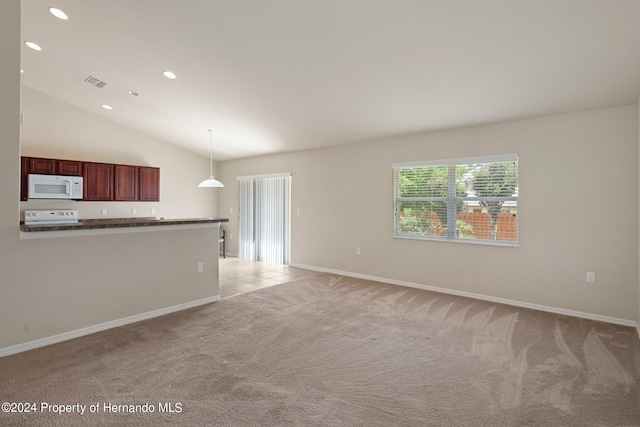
(58, 216)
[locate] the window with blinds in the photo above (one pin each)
(472, 200)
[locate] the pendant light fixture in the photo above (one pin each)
(211, 181)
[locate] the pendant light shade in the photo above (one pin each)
(211, 181)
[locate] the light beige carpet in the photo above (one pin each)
(333, 351)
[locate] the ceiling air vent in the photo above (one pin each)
(95, 82)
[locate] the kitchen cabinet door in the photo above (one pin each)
(33, 165)
(149, 182)
(41, 166)
(69, 167)
(126, 184)
(98, 181)
(24, 179)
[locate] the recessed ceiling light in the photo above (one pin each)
(58, 13)
(169, 74)
(33, 46)
(107, 107)
(133, 93)
(22, 71)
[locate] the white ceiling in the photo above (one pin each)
(281, 75)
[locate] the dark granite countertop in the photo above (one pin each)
(92, 224)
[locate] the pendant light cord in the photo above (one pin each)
(210, 153)
(211, 181)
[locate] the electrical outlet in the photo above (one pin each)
(133, 211)
(104, 211)
(591, 277)
(200, 267)
(230, 236)
(153, 211)
(358, 250)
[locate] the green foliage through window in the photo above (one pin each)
(472, 200)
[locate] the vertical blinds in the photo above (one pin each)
(247, 231)
(265, 218)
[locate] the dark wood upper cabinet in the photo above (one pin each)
(101, 181)
(98, 181)
(126, 184)
(34, 165)
(69, 167)
(41, 166)
(24, 179)
(149, 184)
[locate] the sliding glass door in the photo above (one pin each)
(265, 218)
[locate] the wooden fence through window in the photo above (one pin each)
(481, 225)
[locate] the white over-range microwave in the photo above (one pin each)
(55, 187)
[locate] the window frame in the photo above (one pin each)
(452, 201)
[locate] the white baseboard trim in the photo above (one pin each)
(103, 326)
(555, 310)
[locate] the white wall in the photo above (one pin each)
(56, 129)
(578, 211)
(113, 276)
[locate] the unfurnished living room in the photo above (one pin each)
(312, 213)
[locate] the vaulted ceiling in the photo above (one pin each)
(282, 75)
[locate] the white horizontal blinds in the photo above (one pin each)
(266, 220)
(454, 200)
(459, 161)
(421, 200)
(488, 210)
(247, 246)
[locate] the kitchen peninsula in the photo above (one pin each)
(114, 224)
(112, 272)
